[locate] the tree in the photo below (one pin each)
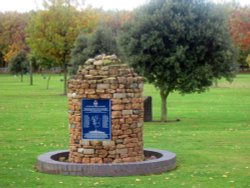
(101, 41)
(239, 26)
(115, 19)
(12, 35)
(32, 62)
(79, 53)
(248, 60)
(52, 32)
(1, 60)
(19, 64)
(46, 64)
(178, 45)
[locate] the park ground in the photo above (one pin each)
(211, 140)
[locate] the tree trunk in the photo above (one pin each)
(65, 78)
(164, 95)
(47, 86)
(21, 76)
(216, 82)
(31, 74)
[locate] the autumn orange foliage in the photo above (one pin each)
(239, 27)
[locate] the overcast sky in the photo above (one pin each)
(26, 5)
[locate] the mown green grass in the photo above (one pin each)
(212, 140)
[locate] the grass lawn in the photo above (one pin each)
(212, 140)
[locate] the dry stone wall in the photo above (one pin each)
(105, 77)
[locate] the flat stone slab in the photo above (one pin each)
(165, 161)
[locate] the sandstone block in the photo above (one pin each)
(130, 140)
(108, 143)
(124, 126)
(122, 151)
(98, 147)
(112, 152)
(103, 86)
(133, 154)
(85, 160)
(130, 145)
(112, 156)
(127, 112)
(113, 72)
(120, 95)
(117, 132)
(122, 120)
(88, 151)
(139, 124)
(88, 76)
(115, 126)
(134, 85)
(93, 72)
(100, 62)
(124, 155)
(120, 146)
(129, 120)
(127, 132)
(89, 61)
(122, 136)
(77, 118)
(80, 150)
(130, 95)
(137, 106)
(119, 141)
(136, 130)
(90, 91)
(85, 143)
(117, 160)
(120, 90)
(100, 91)
(78, 160)
(96, 160)
(105, 96)
(84, 85)
(95, 142)
(118, 107)
(140, 85)
(111, 90)
(102, 153)
(116, 101)
(107, 160)
(116, 114)
(93, 96)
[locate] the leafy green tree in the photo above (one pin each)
(80, 53)
(52, 32)
(19, 64)
(178, 45)
(101, 41)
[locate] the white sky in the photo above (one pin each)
(26, 5)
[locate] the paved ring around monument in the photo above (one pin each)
(165, 161)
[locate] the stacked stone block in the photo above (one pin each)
(105, 77)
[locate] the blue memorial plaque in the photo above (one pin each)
(96, 119)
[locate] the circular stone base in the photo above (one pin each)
(165, 161)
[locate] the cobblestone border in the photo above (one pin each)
(165, 161)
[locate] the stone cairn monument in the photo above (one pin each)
(105, 103)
